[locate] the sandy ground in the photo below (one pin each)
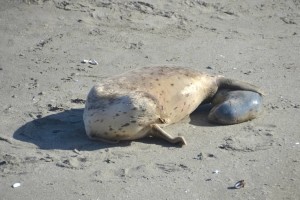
(43, 87)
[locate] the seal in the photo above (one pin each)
(143, 101)
(232, 107)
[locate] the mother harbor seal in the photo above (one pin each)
(141, 102)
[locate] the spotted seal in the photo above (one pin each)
(142, 101)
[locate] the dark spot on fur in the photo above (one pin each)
(105, 133)
(97, 120)
(101, 120)
(110, 128)
(172, 84)
(124, 112)
(120, 129)
(132, 117)
(134, 108)
(117, 115)
(157, 79)
(123, 131)
(175, 108)
(133, 121)
(127, 124)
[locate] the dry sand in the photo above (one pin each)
(43, 86)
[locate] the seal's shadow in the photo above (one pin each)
(199, 116)
(65, 131)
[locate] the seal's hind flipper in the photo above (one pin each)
(159, 132)
(232, 84)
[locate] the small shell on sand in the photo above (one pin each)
(15, 185)
(240, 184)
(84, 61)
(90, 61)
(93, 62)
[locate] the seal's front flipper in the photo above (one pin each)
(159, 132)
(232, 107)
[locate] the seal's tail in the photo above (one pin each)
(227, 83)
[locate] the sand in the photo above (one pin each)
(43, 87)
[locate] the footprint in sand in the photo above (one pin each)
(250, 139)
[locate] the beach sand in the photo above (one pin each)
(44, 84)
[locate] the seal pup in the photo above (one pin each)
(141, 102)
(233, 107)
